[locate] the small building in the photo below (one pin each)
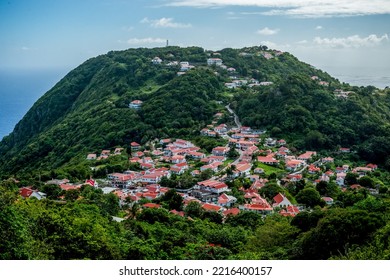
(281, 201)
(91, 156)
(135, 146)
(214, 61)
(135, 104)
(156, 60)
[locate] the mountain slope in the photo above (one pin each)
(88, 109)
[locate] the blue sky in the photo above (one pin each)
(353, 35)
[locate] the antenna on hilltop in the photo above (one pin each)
(167, 43)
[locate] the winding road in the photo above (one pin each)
(236, 119)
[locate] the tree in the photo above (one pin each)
(245, 219)
(233, 153)
(274, 239)
(309, 197)
(327, 189)
(173, 200)
(52, 191)
(72, 195)
(212, 216)
(351, 178)
(206, 174)
(270, 190)
(367, 182)
(194, 210)
(14, 234)
(354, 226)
(307, 220)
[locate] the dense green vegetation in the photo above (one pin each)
(84, 229)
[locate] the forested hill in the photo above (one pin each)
(88, 110)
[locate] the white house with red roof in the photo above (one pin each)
(263, 208)
(212, 186)
(307, 155)
(213, 166)
(243, 145)
(267, 160)
(281, 201)
(281, 142)
(294, 177)
(196, 155)
(27, 192)
(289, 211)
(212, 207)
(225, 200)
(179, 168)
(221, 129)
(220, 151)
(91, 156)
(178, 159)
(232, 211)
(294, 164)
(328, 200)
(312, 169)
(135, 104)
(135, 146)
(242, 169)
(180, 143)
(154, 178)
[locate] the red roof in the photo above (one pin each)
(151, 205)
(25, 192)
(179, 213)
(211, 207)
(278, 198)
(213, 184)
(233, 211)
(259, 207)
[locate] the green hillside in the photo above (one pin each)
(88, 109)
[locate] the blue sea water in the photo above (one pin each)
(19, 89)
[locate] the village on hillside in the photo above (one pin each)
(257, 158)
(249, 156)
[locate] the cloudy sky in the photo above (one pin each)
(352, 35)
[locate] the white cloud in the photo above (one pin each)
(299, 8)
(354, 41)
(319, 27)
(24, 48)
(267, 31)
(145, 41)
(165, 23)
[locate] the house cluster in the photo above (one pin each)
(104, 154)
(184, 65)
(319, 81)
(236, 83)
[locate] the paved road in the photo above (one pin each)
(236, 119)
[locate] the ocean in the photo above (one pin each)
(19, 89)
